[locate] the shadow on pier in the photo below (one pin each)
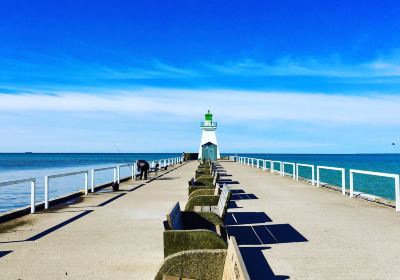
(254, 234)
(257, 266)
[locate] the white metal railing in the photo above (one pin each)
(114, 168)
(396, 177)
(116, 178)
(265, 164)
(293, 166)
(131, 165)
(306, 165)
(22, 181)
(280, 167)
(47, 181)
(334, 169)
(380, 174)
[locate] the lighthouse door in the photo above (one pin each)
(209, 151)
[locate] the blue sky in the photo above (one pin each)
(280, 76)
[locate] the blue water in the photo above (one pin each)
(18, 166)
(387, 163)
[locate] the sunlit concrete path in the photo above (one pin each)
(310, 232)
(107, 235)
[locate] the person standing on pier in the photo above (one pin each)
(143, 167)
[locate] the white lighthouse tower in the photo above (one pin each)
(209, 146)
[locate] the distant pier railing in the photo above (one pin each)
(32, 181)
(47, 183)
(342, 170)
(295, 174)
(88, 174)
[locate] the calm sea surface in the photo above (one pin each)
(18, 166)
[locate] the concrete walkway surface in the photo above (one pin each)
(291, 230)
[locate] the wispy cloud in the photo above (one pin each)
(231, 105)
(67, 68)
(382, 66)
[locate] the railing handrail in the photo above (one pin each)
(341, 169)
(31, 180)
(125, 164)
(288, 163)
(330, 168)
(396, 178)
(104, 168)
(294, 168)
(20, 181)
(67, 174)
(305, 164)
(381, 174)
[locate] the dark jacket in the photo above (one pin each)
(143, 165)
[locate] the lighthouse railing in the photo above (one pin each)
(209, 124)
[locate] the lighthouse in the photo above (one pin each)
(208, 146)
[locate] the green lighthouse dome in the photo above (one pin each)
(208, 116)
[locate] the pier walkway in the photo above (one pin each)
(106, 235)
(287, 228)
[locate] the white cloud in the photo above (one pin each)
(229, 106)
(382, 66)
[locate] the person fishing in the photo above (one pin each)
(143, 167)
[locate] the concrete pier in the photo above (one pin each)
(285, 229)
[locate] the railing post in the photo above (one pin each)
(118, 172)
(312, 176)
(351, 184)
(294, 172)
(297, 172)
(133, 172)
(115, 174)
(92, 183)
(272, 167)
(343, 181)
(46, 192)
(86, 182)
(397, 191)
(264, 165)
(318, 184)
(33, 196)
